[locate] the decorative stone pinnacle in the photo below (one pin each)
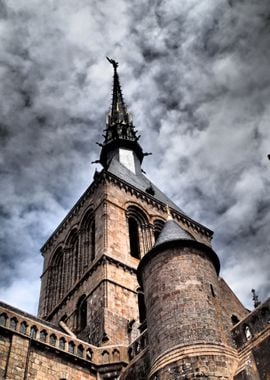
(169, 215)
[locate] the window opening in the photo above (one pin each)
(53, 340)
(13, 323)
(133, 230)
(142, 310)
(212, 290)
(33, 332)
(234, 319)
(62, 343)
(42, 336)
(71, 347)
(23, 327)
(93, 240)
(82, 313)
(3, 319)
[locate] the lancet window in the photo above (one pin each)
(81, 313)
(72, 259)
(56, 288)
(88, 238)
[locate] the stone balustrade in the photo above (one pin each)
(138, 345)
(254, 324)
(40, 332)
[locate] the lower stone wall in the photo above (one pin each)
(46, 365)
(5, 341)
(139, 368)
(22, 358)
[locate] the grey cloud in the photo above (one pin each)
(196, 77)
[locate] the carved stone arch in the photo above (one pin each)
(138, 231)
(88, 212)
(88, 239)
(71, 236)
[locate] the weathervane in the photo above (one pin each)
(113, 62)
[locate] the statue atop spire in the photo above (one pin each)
(113, 62)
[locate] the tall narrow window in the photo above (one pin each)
(81, 313)
(56, 287)
(134, 242)
(88, 239)
(93, 240)
(141, 304)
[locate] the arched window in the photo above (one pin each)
(88, 230)
(23, 328)
(62, 343)
(56, 287)
(158, 225)
(43, 335)
(71, 347)
(13, 323)
(138, 230)
(33, 332)
(3, 319)
(80, 350)
(82, 313)
(53, 339)
(72, 258)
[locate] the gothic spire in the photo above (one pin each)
(118, 112)
(120, 132)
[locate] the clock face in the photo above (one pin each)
(126, 158)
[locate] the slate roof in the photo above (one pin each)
(172, 231)
(140, 181)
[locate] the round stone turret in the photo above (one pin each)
(179, 276)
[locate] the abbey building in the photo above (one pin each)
(130, 288)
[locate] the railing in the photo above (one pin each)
(138, 345)
(249, 328)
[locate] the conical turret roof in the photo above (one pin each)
(172, 231)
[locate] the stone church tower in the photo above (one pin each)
(130, 287)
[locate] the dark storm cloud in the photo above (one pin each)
(196, 76)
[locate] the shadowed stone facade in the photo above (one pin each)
(130, 288)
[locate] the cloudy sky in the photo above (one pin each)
(196, 76)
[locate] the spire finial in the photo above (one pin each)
(169, 215)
